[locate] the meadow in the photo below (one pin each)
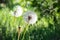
(44, 24)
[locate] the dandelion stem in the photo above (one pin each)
(18, 33)
(25, 32)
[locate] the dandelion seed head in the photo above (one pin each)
(30, 17)
(17, 11)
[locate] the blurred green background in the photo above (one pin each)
(47, 26)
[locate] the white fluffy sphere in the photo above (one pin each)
(30, 17)
(17, 11)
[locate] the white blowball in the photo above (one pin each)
(30, 17)
(17, 11)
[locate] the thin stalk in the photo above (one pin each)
(25, 31)
(19, 32)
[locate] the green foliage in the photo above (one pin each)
(47, 26)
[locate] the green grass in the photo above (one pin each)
(47, 26)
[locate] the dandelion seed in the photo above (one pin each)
(30, 17)
(17, 11)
